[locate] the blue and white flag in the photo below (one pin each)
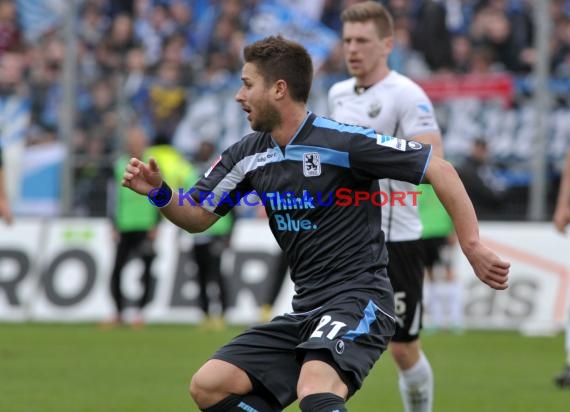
(15, 115)
(272, 17)
(37, 17)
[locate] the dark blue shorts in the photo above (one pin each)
(350, 333)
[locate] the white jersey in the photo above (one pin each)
(398, 107)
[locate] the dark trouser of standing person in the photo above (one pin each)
(208, 257)
(280, 270)
(131, 243)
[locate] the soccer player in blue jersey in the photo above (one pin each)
(343, 309)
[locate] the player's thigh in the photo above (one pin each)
(320, 377)
(220, 376)
(267, 354)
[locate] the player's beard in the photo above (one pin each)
(268, 118)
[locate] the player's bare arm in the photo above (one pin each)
(561, 216)
(488, 267)
(433, 139)
(5, 211)
(142, 178)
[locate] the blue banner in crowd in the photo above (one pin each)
(15, 114)
(39, 16)
(40, 187)
(272, 18)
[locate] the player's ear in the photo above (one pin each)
(388, 43)
(280, 89)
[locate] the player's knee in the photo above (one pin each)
(202, 389)
(405, 353)
(305, 389)
(217, 379)
(309, 387)
(196, 389)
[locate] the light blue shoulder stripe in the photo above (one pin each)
(341, 127)
(327, 156)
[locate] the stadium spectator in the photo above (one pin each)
(561, 48)
(92, 26)
(561, 220)
(116, 44)
(12, 76)
(136, 78)
(486, 190)
(153, 24)
(388, 102)
(165, 101)
(178, 52)
(461, 48)
(506, 34)
(431, 37)
(135, 225)
(343, 310)
(209, 247)
(100, 122)
(404, 58)
(280, 271)
(10, 33)
(5, 210)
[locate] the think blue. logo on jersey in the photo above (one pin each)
(285, 221)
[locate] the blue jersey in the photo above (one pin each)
(310, 190)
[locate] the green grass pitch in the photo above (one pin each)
(79, 368)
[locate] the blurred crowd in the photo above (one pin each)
(149, 61)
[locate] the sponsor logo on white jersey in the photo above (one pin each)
(374, 109)
(424, 107)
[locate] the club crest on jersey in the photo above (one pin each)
(311, 164)
(391, 141)
(374, 109)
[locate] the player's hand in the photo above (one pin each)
(140, 177)
(489, 267)
(561, 219)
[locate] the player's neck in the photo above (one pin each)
(373, 77)
(291, 121)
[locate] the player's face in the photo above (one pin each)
(254, 98)
(364, 51)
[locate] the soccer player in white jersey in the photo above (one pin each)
(392, 104)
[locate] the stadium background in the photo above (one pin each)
(75, 74)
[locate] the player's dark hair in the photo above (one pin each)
(370, 10)
(277, 58)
